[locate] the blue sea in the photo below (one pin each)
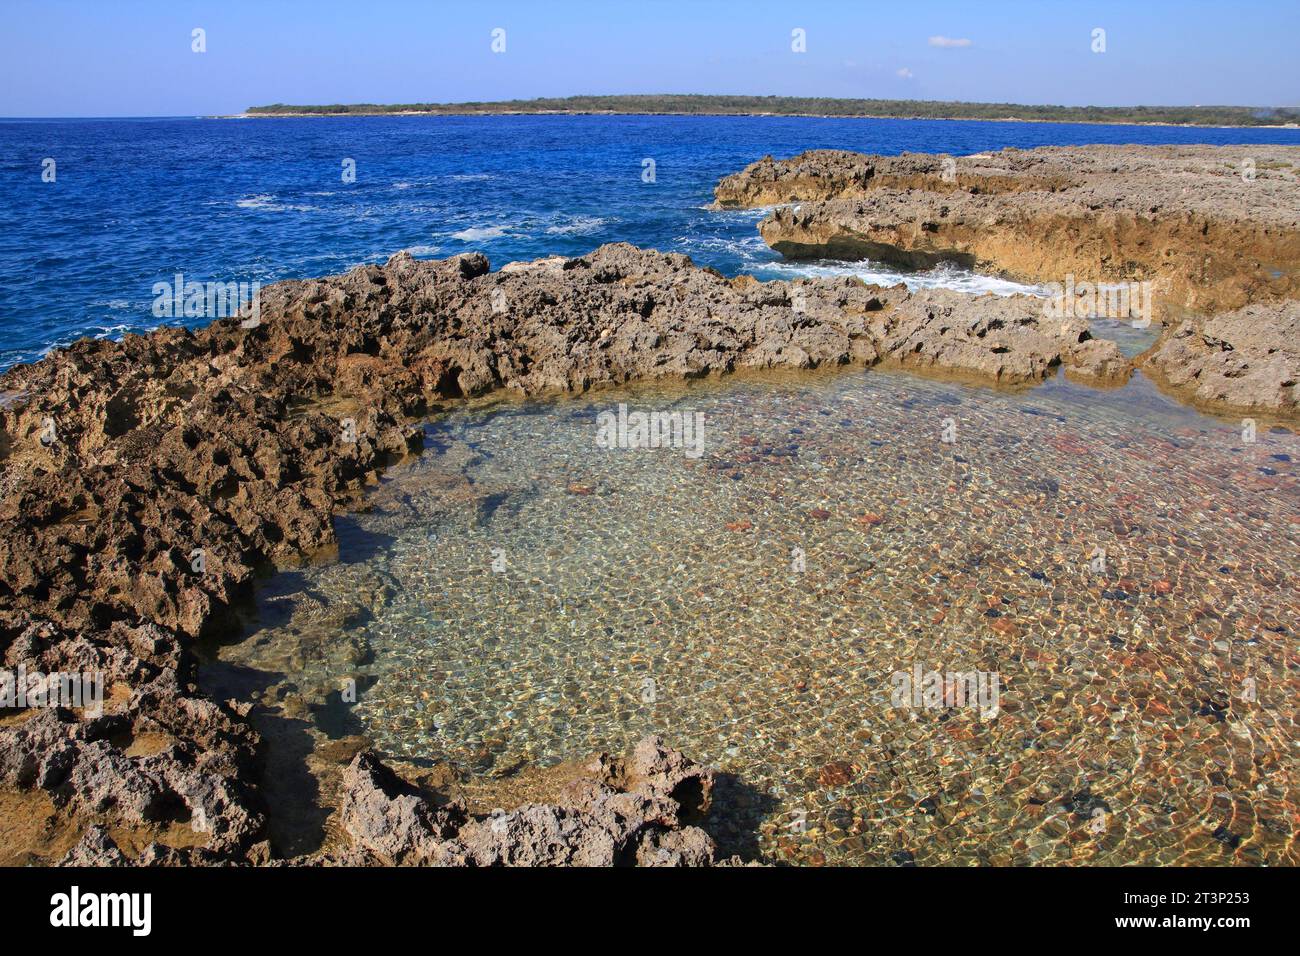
(135, 201)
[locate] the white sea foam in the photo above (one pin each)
(54, 347)
(941, 277)
(577, 226)
(479, 233)
(269, 203)
(751, 250)
(754, 213)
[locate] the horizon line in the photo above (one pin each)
(470, 107)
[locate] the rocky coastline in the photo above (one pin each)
(1213, 233)
(145, 483)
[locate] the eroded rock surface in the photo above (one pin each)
(631, 811)
(1212, 227)
(819, 174)
(143, 482)
(154, 758)
(1246, 360)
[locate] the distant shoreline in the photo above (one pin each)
(1245, 117)
(953, 119)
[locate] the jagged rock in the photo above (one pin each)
(1247, 360)
(1006, 339)
(617, 813)
(95, 848)
(82, 760)
(819, 174)
(389, 818)
(688, 847)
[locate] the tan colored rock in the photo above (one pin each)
(1212, 227)
(820, 174)
(1247, 360)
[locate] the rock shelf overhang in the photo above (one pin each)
(1213, 231)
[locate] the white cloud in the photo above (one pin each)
(948, 41)
(905, 73)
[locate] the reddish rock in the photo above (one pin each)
(837, 773)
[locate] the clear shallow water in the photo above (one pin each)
(520, 597)
(137, 201)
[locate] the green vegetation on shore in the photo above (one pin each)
(819, 106)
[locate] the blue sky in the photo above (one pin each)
(134, 57)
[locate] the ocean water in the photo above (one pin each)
(136, 201)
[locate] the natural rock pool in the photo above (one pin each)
(1122, 566)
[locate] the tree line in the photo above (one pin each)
(705, 105)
